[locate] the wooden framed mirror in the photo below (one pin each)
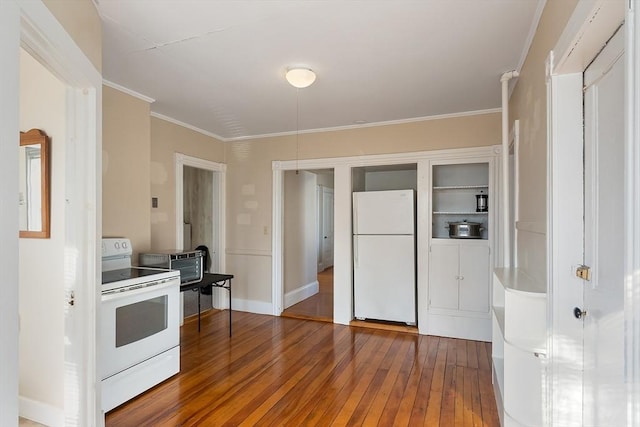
(34, 187)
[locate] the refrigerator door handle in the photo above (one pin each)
(355, 214)
(355, 252)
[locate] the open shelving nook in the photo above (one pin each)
(454, 190)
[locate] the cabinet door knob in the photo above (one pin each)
(461, 277)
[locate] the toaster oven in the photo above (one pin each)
(189, 263)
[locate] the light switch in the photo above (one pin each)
(154, 202)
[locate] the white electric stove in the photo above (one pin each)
(140, 325)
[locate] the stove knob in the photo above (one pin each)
(117, 245)
(124, 245)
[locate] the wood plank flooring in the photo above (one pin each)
(278, 371)
(319, 306)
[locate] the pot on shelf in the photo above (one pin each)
(464, 230)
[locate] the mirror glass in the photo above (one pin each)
(33, 195)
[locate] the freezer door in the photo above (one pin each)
(384, 278)
(383, 212)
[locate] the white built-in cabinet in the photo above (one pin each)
(459, 290)
(460, 276)
(519, 346)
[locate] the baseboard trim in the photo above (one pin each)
(468, 328)
(41, 412)
(300, 294)
(252, 306)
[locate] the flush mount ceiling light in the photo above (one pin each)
(300, 77)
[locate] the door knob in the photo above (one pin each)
(578, 313)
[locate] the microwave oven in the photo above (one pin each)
(189, 263)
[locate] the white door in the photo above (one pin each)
(443, 276)
(474, 278)
(604, 394)
(327, 227)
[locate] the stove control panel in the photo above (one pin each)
(116, 247)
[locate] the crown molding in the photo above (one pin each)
(368, 125)
(187, 125)
(123, 89)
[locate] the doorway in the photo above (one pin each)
(200, 220)
(42, 106)
(586, 121)
(308, 244)
(32, 26)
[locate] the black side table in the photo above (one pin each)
(211, 279)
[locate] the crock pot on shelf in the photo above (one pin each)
(464, 230)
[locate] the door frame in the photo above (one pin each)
(343, 234)
(589, 27)
(219, 226)
(632, 213)
(33, 26)
(321, 217)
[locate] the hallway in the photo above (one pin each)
(319, 306)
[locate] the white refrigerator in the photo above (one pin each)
(384, 255)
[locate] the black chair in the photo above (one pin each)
(207, 290)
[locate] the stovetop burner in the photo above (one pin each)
(123, 279)
(128, 273)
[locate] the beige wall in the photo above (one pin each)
(528, 104)
(249, 178)
(167, 139)
(300, 230)
(42, 106)
(81, 20)
(126, 152)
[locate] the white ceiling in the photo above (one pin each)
(219, 65)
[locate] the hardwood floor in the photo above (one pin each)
(278, 371)
(318, 306)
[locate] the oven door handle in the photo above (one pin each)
(140, 289)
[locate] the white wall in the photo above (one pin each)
(300, 232)
(42, 106)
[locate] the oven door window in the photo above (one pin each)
(140, 320)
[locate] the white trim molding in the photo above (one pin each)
(367, 125)
(10, 27)
(632, 214)
(186, 125)
(248, 252)
(252, 306)
(587, 31)
(128, 91)
(219, 226)
(387, 159)
(45, 39)
(277, 243)
(305, 131)
(301, 293)
(41, 412)
(343, 268)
